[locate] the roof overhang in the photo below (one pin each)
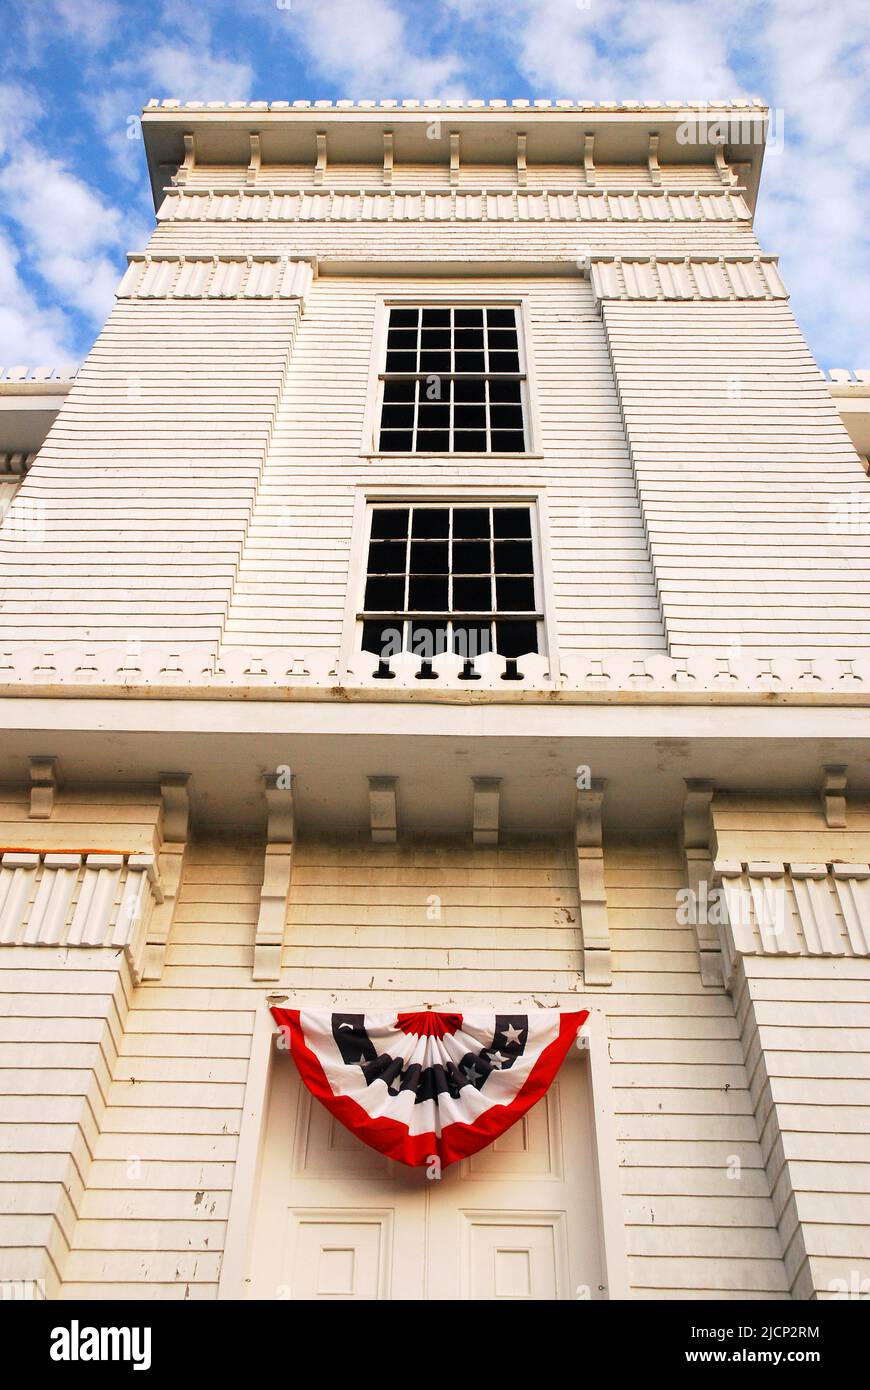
(27, 412)
(555, 133)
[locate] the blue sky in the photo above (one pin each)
(73, 193)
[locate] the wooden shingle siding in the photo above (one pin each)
(742, 467)
(293, 577)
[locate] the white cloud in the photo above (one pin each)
(68, 234)
(31, 334)
(365, 48)
(194, 74)
(814, 64)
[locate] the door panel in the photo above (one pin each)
(337, 1220)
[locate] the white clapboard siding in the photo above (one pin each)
(461, 240)
(62, 1017)
(437, 175)
(809, 1068)
(361, 933)
(293, 576)
(149, 471)
(741, 464)
(805, 1028)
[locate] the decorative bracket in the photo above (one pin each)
(454, 160)
(697, 833)
(44, 782)
(382, 810)
(487, 794)
(522, 168)
(588, 836)
(256, 159)
(832, 793)
(655, 172)
(277, 870)
(174, 829)
(189, 162)
(388, 156)
(726, 174)
(320, 162)
(588, 160)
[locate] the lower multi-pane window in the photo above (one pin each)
(451, 578)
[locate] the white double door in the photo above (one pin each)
(336, 1220)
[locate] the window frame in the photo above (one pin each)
(368, 497)
(377, 373)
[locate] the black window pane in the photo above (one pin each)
(384, 639)
(404, 318)
(404, 339)
(513, 522)
(472, 595)
(469, 442)
(429, 557)
(515, 595)
(389, 523)
(470, 417)
(431, 523)
(385, 595)
(501, 339)
(397, 417)
(396, 441)
(427, 593)
(469, 340)
(401, 361)
(472, 639)
(513, 557)
(435, 318)
(427, 639)
(507, 442)
(506, 417)
(396, 392)
(468, 318)
(472, 362)
(469, 392)
(436, 363)
(433, 441)
(433, 415)
(504, 362)
(470, 557)
(501, 318)
(471, 523)
(516, 639)
(387, 557)
(505, 392)
(435, 338)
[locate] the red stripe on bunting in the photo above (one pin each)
(457, 1140)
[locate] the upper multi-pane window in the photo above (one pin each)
(451, 578)
(454, 381)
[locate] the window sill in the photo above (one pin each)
(448, 458)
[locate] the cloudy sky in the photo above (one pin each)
(74, 73)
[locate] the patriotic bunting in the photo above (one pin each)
(424, 1086)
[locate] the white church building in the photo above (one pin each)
(443, 587)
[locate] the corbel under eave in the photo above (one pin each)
(256, 160)
(277, 871)
(174, 831)
(189, 162)
(696, 837)
(594, 922)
